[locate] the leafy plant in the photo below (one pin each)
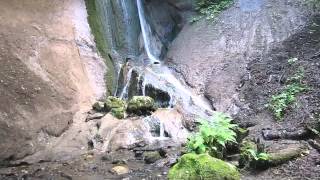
(280, 102)
(213, 136)
(209, 9)
(251, 155)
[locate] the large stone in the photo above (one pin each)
(141, 105)
(120, 170)
(151, 157)
(203, 166)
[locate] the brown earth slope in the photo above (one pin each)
(44, 63)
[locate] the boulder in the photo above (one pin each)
(120, 170)
(203, 166)
(151, 157)
(141, 105)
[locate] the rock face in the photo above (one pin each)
(203, 166)
(47, 60)
(212, 57)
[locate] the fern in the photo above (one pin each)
(213, 136)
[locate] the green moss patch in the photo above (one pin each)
(101, 43)
(193, 166)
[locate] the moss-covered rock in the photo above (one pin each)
(141, 105)
(114, 102)
(118, 112)
(116, 106)
(98, 106)
(203, 166)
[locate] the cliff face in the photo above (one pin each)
(49, 70)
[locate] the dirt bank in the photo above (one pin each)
(47, 62)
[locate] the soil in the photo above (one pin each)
(268, 75)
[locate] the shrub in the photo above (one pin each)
(280, 102)
(213, 136)
(211, 8)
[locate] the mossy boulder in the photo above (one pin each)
(116, 106)
(194, 166)
(141, 105)
(114, 102)
(118, 112)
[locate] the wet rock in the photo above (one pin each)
(122, 134)
(151, 157)
(172, 124)
(120, 170)
(98, 106)
(141, 105)
(203, 166)
(162, 98)
(94, 116)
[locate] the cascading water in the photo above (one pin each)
(160, 77)
(146, 33)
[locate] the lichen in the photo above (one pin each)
(193, 166)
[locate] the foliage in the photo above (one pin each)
(210, 8)
(204, 167)
(280, 102)
(314, 3)
(213, 136)
(251, 155)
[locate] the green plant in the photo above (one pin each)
(251, 155)
(210, 8)
(292, 60)
(213, 136)
(280, 102)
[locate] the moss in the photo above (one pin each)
(116, 106)
(114, 102)
(203, 166)
(141, 105)
(118, 112)
(101, 43)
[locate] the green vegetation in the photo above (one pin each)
(314, 3)
(192, 166)
(141, 105)
(251, 156)
(209, 9)
(101, 43)
(280, 102)
(213, 136)
(116, 106)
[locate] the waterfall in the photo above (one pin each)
(125, 90)
(146, 33)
